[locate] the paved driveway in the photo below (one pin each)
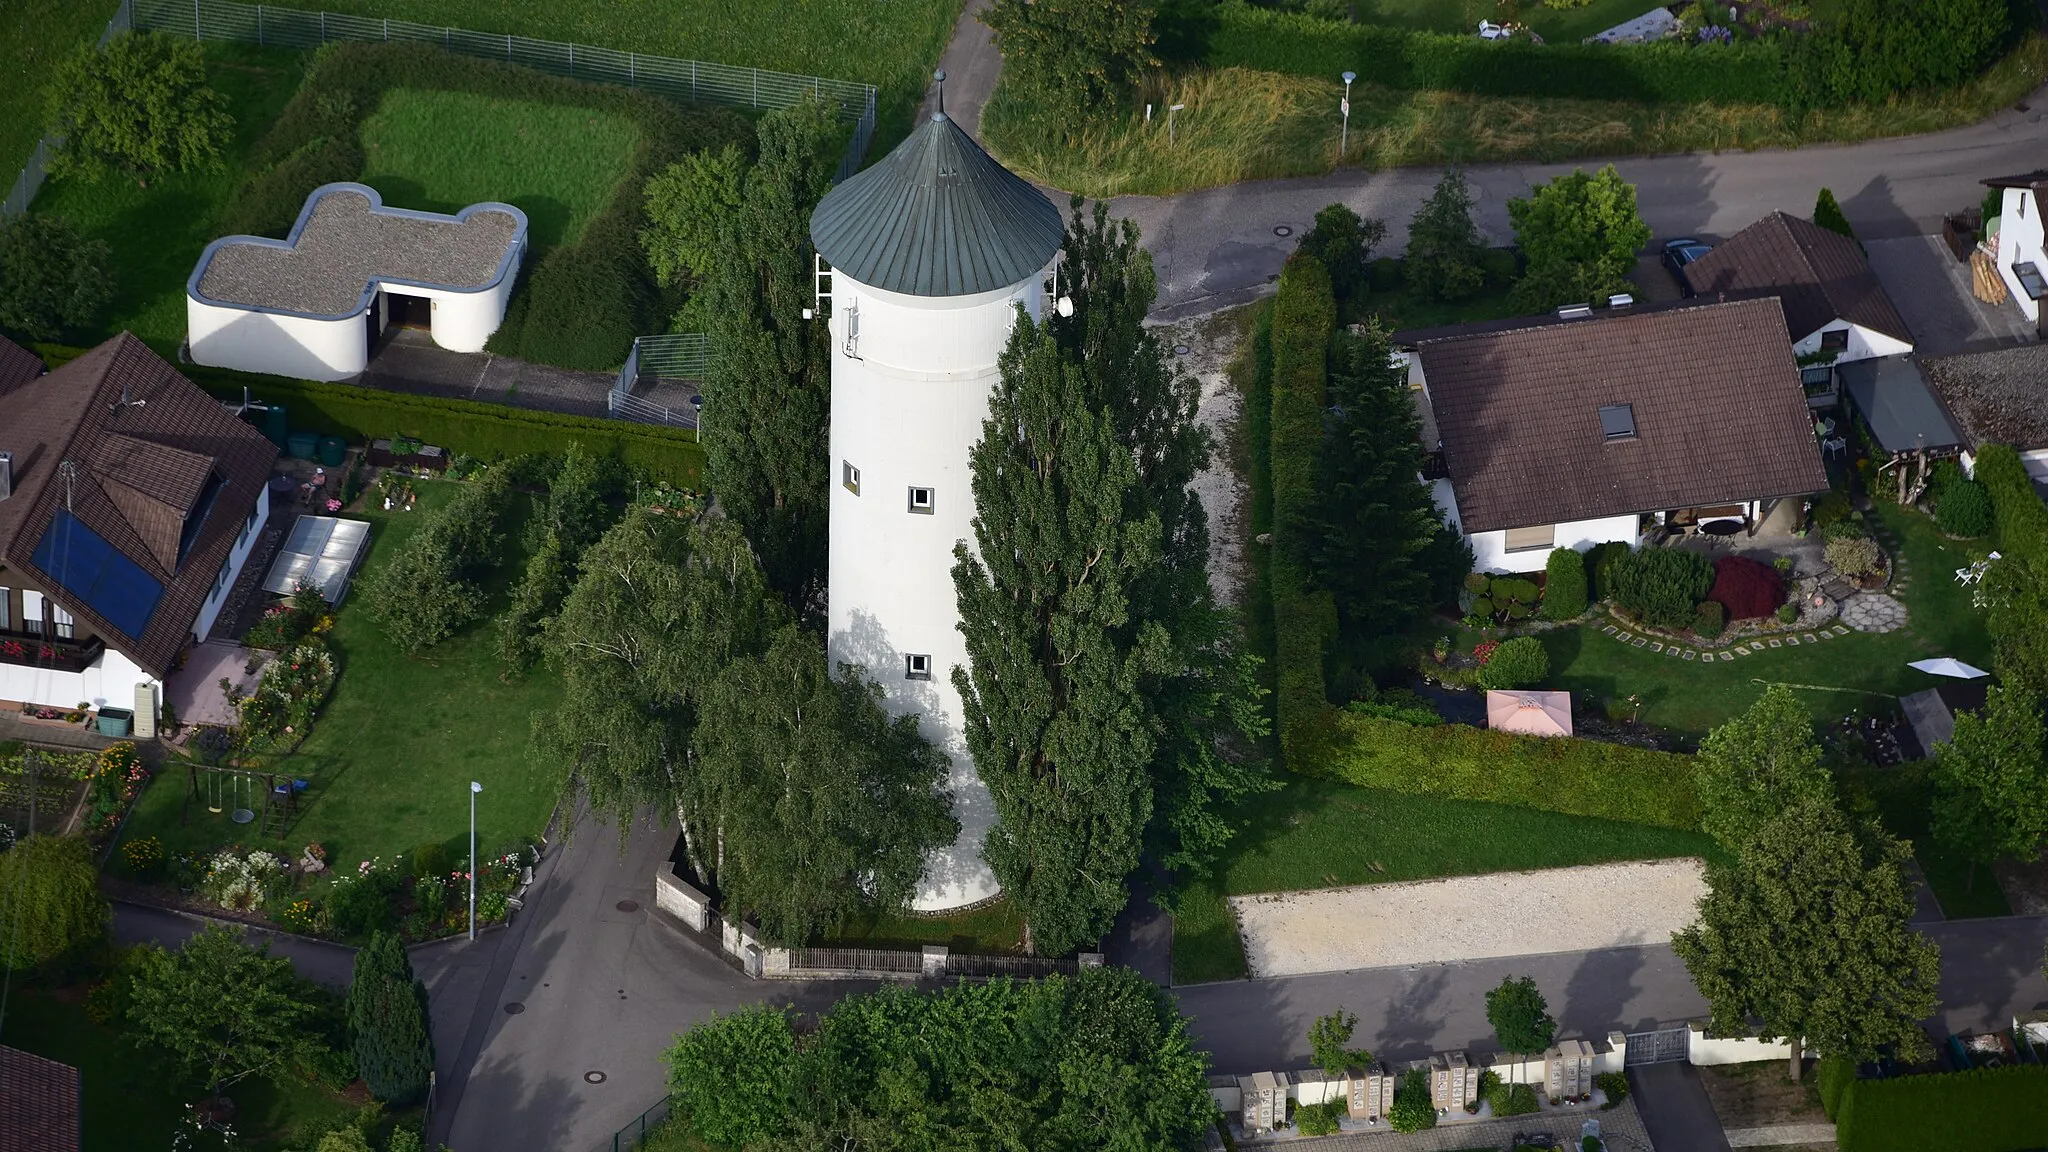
(1932, 290)
(1675, 1108)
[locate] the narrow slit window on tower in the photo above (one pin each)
(923, 500)
(917, 666)
(849, 476)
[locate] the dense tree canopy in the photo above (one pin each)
(1079, 56)
(222, 1009)
(50, 901)
(140, 107)
(1101, 675)
(687, 204)
(1520, 1015)
(1991, 781)
(1087, 1063)
(388, 1023)
(1580, 234)
(433, 585)
(52, 280)
(1329, 1044)
(579, 507)
(767, 392)
(1342, 242)
(1442, 261)
(1808, 931)
(1756, 765)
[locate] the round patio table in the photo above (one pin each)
(1721, 527)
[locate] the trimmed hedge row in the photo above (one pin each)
(1304, 620)
(2021, 516)
(1984, 1110)
(1459, 762)
(485, 431)
(1752, 72)
(579, 304)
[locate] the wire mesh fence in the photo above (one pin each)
(635, 1131)
(23, 191)
(699, 81)
(855, 960)
(971, 966)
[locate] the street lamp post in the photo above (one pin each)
(474, 788)
(1344, 133)
(1170, 110)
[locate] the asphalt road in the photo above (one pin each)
(1991, 969)
(1215, 248)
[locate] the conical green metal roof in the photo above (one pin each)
(937, 217)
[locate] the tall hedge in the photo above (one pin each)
(1986, 1110)
(1752, 72)
(488, 432)
(1304, 621)
(388, 1023)
(2021, 516)
(2018, 619)
(579, 304)
(1564, 584)
(1555, 774)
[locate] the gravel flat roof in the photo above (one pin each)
(2001, 397)
(344, 244)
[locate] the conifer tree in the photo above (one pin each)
(388, 1023)
(1100, 675)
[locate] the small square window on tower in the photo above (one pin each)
(849, 476)
(923, 500)
(917, 666)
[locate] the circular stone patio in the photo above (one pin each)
(1873, 612)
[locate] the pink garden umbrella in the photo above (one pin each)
(1530, 712)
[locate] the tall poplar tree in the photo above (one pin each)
(767, 392)
(1101, 674)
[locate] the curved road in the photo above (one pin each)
(1216, 247)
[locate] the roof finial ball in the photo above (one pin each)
(939, 94)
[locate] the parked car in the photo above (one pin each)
(1681, 252)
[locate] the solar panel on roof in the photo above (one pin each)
(85, 565)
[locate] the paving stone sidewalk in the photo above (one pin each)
(1621, 1127)
(1778, 1135)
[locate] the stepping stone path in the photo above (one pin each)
(1873, 612)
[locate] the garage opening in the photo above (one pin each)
(404, 311)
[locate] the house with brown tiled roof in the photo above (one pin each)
(39, 1103)
(1832, 301)
(129, 501)
(1586, 427)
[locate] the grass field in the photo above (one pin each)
(391, 756)
(1322, 834)
(1557, 25)
(892, 45)
(443, 151)
(156, 233)
(34, 34)
(1857, 670)
(131, 1100)
(1241, 124)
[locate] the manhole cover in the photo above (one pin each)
(514, 1008)
(627, 906)
(1282, 230)
(1181, 349)
(593, 1077)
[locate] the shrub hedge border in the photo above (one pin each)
(2021, 515)
(1453, 761)
(1983, 1110)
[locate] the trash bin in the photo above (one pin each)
(274, 425)
(301, 445)
(115, 721)
(332, 450)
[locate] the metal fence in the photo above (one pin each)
(855, 960)
(629, 1137)
(23, 191)
(679, 357)
(972, 966)
(699, 81)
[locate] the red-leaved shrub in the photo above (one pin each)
(1746, 588)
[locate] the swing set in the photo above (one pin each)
(238, 792)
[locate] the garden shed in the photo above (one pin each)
(323, 551)
(315, 304)
(1894, 399)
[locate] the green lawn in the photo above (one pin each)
(443, 151)
(156, 233)
(132, 1101)
(34, 34)
(1322, 834)
(892, 45)
(391, 757)
(1857, 670)
(1902, 795)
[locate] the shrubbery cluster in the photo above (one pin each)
(1564, 585)
(1747, 588)
(1661, 586)
(1517, 663)
(430, 588)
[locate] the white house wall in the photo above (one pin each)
(302, 347)
(464, 320)
(1864, 343)
(111, 680)
(245, 543)
(2019, 240)
(911, 378)
(1490, 549)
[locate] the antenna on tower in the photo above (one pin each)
(939, 94)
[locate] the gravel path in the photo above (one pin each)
(346, 245)
(1211, 343)
(1468, 917)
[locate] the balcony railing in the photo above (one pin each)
(32, 650)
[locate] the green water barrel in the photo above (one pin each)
(301, 445)
(274, 425)
(332, 450)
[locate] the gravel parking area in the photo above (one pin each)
(346, 244)
(1468, 917)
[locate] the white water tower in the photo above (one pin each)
(931, 250)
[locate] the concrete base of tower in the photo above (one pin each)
(956, 876)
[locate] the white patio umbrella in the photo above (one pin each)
(1949, 666)
(1530, 712)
